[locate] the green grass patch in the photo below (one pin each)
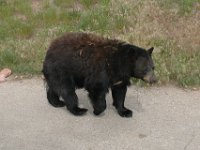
(184, 6)
(26, 60)
(177, 64)
(64, 3)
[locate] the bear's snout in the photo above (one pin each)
(150, 77)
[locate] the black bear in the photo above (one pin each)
(83, 60)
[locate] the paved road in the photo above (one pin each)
(165, 118)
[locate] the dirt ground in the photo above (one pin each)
(165, 118)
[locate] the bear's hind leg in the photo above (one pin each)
(71, 101)
(53, 98)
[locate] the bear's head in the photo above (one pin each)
(143, 65)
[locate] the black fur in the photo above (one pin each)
(80, 60)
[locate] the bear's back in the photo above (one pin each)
(82, 46)
(80, 53)
(83, 41)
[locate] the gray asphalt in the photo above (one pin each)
(164, 118)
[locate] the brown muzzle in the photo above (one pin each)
(150, 77)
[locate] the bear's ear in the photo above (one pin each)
(150, 50)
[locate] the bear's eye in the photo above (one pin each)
(153, 67)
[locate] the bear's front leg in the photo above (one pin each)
(119, 94)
